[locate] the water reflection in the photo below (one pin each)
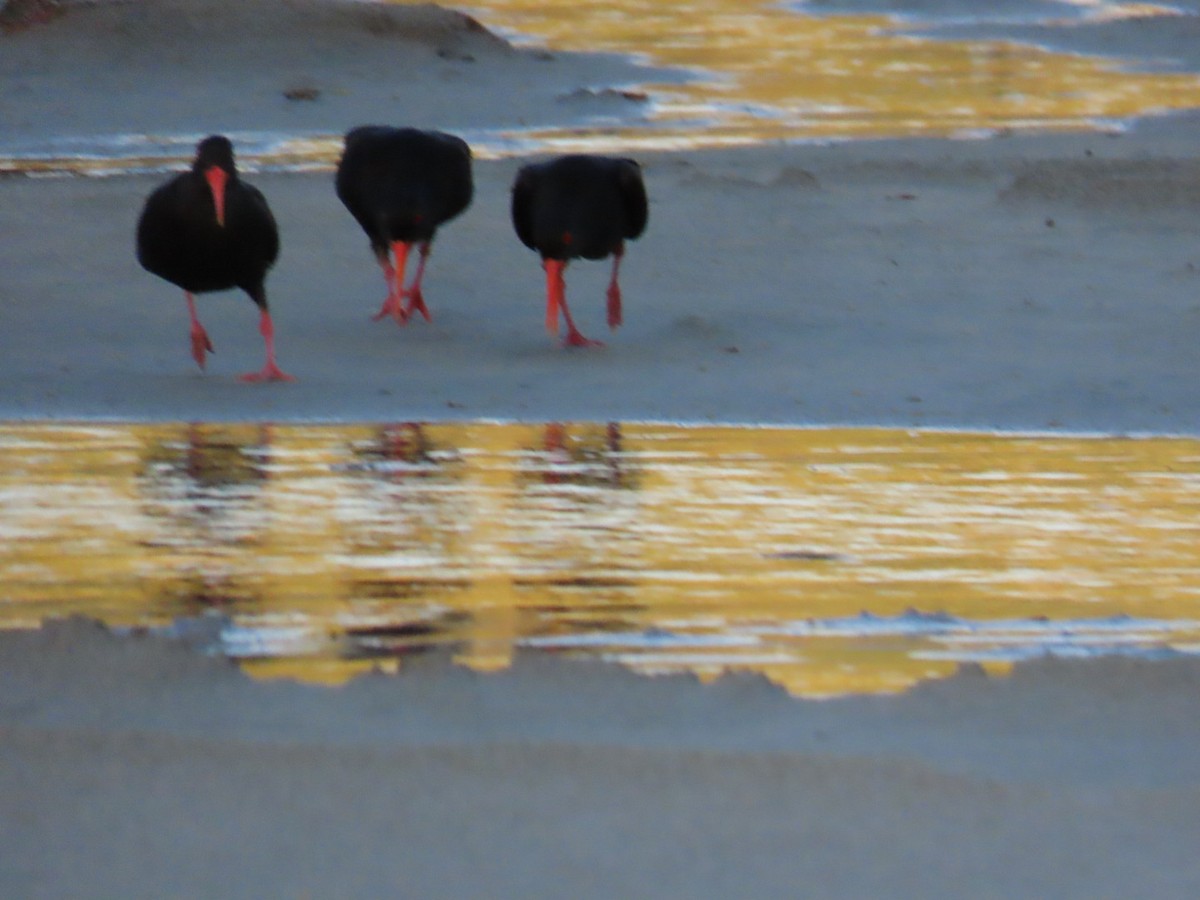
(211, 482)
(829, 560)
(763, 71)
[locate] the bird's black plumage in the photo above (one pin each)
(579, 206)
(180, 240)
(208, 230)
(401, 185)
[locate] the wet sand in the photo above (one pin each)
(136, 767)
(1019, 283)
(1023, 283)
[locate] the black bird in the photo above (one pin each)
(579, 206)
(402, 184)
(207, 230)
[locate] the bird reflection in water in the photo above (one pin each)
(214, 477)
(577, 508)
(205, 494)
(399, 451)
(587, 459)
(409, 508)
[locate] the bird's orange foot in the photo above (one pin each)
(392, 307)
(269, 372)
(416, 303)
(576, 339)
(201, 345)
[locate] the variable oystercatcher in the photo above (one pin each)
(579, 206)
(401, 184)
(207, 230)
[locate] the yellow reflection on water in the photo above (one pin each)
(829, 560)
(767, 72)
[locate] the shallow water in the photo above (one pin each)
(829, 560)
(766, 70)
(760, 71)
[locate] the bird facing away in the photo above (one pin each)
(401, 185)
(579, 206)
(207, 230)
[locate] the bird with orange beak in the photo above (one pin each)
(208, 230)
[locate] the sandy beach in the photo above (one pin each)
(1023, 282)
(1018, 283)
(1039, 282)
(135, 767)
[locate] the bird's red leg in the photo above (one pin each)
(555, 292)
(392, 306)
(416, 302)
(200, 342)
(391, 303)
(271, 371)
(614, 291)
(574, 338)
(556, 299)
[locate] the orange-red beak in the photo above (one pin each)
(216, 178)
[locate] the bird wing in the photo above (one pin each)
(459, 187)
(523, 192)
(633, 198)
(268, 234)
